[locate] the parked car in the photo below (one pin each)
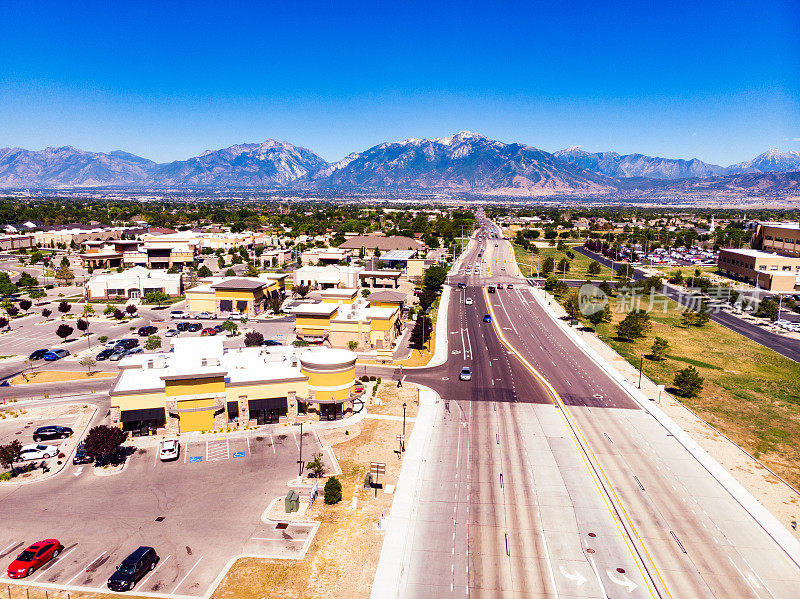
(111, 343)
(147, 330)
(37, 451)
(462, 285)
(34, 557)
(118, 354)
(38, 354)
(182, 326)
(55, 354)
(468, 301)
(499, 285)
(133, 568)
(208, 331)
(170, 449)
(487, 318)
(126, 344)
(236, 316)
(105, 354)
(466, 374)
(194, 327)
(170, 333)
(358, 387)
(81, 457)
(510, 286)
(135, 350)
(218, 328)
(490, 289)
(53, 431)
(272, 343)
(174, 314)
(205, 316)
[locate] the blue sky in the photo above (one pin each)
(168, 80)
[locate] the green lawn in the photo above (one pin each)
(751, 393)
(578, 265)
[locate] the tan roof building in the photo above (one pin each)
(382, 243)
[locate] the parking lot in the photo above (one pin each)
(198, 512)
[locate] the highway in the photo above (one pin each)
(786, 346)
(544, 479)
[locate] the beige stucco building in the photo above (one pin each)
(770, 271)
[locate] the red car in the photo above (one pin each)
(33, 557)
(208, 331)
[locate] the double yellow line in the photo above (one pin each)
(585, 450)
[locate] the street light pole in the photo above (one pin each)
(641, 363)
(403, 445)
(300, 461)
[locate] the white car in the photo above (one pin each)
(205, 316)
(177, 314)
(468, 301)
(466, 374)
(170, 449)
(37, 451)
(111, 343)
(236, 316)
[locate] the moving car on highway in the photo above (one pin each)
(487, 318)
(466, 374)
(34, 557)
(468, 301)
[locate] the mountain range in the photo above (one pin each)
(463, 162)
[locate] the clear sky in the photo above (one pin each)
(168, 80)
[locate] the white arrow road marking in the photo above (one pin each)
(78, 471)
(577, 577)
(623, 581)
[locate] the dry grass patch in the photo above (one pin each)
(57, 376)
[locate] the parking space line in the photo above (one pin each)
(186, 453)
(272, 442)
(248, 445)
(187, 575)
(52, 562)
(155, 459)
(279, 539)
(7, 548)
(160, 563)
(82, 570)
(295, 440)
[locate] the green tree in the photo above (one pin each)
(688, 381)
(64, 307)
(108, 310)
(635, 325)
(152, 342)
(88, 362)
(317, 466)
(64, 274)
(156, 297)
(253, 339)
(10, 454)
(434, 277)
(658, 351)
(230, 326)
(426, 299)
(603, 315)
(230, 273)
(26, 280)
(352, 345)
(251, 270)
(547, 265)
(767, 308)
(563, 265)
(64, 330)
(6, 286)
(550, 283)
(593, 268)
(204, 271)
(572, 305)
(333, 491)
(301, 290)
(221, 262)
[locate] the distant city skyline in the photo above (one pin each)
(718, 82)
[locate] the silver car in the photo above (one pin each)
(466, 374)
(37, 451)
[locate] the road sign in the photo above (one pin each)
(377, 468)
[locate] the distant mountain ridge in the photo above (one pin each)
(464, 162)
(654, 167)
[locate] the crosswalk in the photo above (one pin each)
(217, 449)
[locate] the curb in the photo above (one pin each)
(769, 523)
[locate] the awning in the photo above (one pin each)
(270, 403)
(144, 414)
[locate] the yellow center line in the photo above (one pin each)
(575, 431)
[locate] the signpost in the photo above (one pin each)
(312, 494)
(376, 469)
(401, 439)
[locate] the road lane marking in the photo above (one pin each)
(187, 575)
(160, 563)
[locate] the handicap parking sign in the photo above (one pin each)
(238, 454)
(196, 458)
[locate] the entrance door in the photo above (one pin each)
(330, 411)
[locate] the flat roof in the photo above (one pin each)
(398, 255)
(390, 274)
(320, 309)
(757, 253)
(248, 284)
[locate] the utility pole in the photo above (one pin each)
(300, 461)
(403, 446)
(641, 363)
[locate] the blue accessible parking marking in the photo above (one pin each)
(238, 454)
(196, 458)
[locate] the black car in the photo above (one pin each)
(146, 331)
(81, 457)
(182, 326)
(126, 344)
(194, 327)
(490, 289)
(272, 343)
(44, 433)
(133, 568)
(105, 354)
(218, 328)
(38, 354)
(462, 285)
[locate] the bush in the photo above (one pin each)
(333, 491)
(688, 381)
(253, 339)
(102, 338)
(152, 342)
(103, 440)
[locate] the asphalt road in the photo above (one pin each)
(785, 346)
(527, 495)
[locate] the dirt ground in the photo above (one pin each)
(57, 376)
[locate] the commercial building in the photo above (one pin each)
(16, 242)
(326, 277)
(381, 243)
(199, 386)
(783, 238)
(770, 271)
(325, 256)
(235, 294)
(133, 283)
(340, 321)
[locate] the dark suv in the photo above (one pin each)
(45, 433)
(133, 568)
(146, 331)
(126, 344)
